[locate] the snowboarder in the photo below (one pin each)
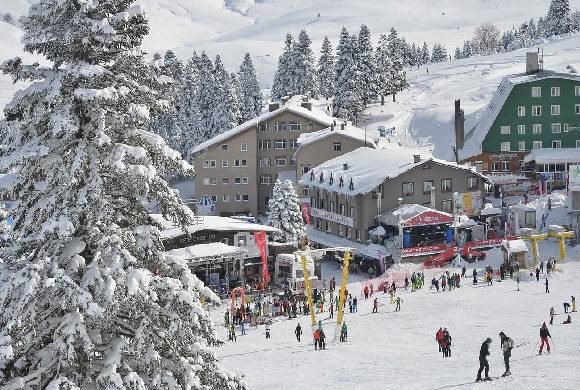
(507, 344)
(375, 306)
(298, 332)
(544, 334)
(343, 332)
(398, 302)
(267, 330)
(552, 315)
(547, 287)
(439, 338)
(483, 364)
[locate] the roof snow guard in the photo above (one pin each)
(475, 137)
(363, 170)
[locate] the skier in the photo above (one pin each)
(552, 315)
(439, 339)
(298, 332)
(375, 306)
(398, 301)
(546, 283)
(544, 334)
(483, 364)
(267, 330)
(507, 344)
(474, 276)
(343, 332)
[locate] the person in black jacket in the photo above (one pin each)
(507, 344)
(298, 332)
(483, 364)
(544, 334)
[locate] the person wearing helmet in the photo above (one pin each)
(507, 344)
(483, 364)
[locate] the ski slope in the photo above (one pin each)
(392, 350)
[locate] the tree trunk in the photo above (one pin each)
(382, 100)
(394, 97)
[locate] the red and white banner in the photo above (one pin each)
(423, 250)
(428, 218)
(260, 238)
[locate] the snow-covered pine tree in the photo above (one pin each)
(398, 75)
(250, 95)
(467, 52)
(226, 107)
(425, 58)
(558, 21)
(414, 55)
(458, 54)
(486, 39)
(347, 102)
(206, 94)
(302, 69)
(439, 53)
(190, 115)
(4, 235)
(89, 299)
(575, 20)
(284, 212)
(366, 66)
(541, 27)
(283, 77)
(326, 70)
(384, 68)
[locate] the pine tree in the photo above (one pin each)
(302, 71)
(326, 70)
(4, 234)
(425, 58)
(414, 55)
(190, 115)
(206, 95)
(398, 75)
(347, 102)
(226, 107)
(486, 39)
(384, 68)
(89, 299)
(558, 21)
(439, 53)
(366, 67)
(250, 95)
(458, 54)
(282, 85)
(575, 20)
(467, 52)
(284, 212)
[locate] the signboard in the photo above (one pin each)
(305, 214)
(574, 174)
(423, 250)
(428, 218)
(469, 203)
(549, 177)
(333, 217)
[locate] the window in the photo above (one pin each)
(280, 161)
(264, 161)
(495, 166)
(337, 146)
(295, 126)
(213, 181)
(521, 146)
(446, 205)
(521, 111)
(209, 164)
(292, 161)
(206, 163)
(577, 90)
(279, 144)
(280, 126)
(244, 180)
(331, 204)
(427, 185)
(351, 213)
(214, 198)
(555, 109)
(225, 181)
(348, 232)
(225, 163)
(225, 198)
(340, 230)
(237, 180)
(238, 197)
(206, 181)
(577, 109)
(294, 143)
(536, 91)
(505, 165)
(578, 143)
(521, 129)
(537, 128)
(264, 144)
(245, 197)
(537, 145)
(555, 91)
(225, 147)
(266, 179)
(472, 183)
(327, 226)
(305, 168)
(446, 185)
(556, 127)
(341, 209)
(305, 191)
(536, 110)
(263, 126)
(505, 146)
(566, 128)
(357, 234)
(240, 163)
(556, 144)
(408, 189)
(504, 129)
(244, 147)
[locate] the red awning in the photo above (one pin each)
(428, 217)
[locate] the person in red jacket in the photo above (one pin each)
(439, 338)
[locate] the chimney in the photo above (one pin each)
(459, 128)
(532, 62)
(342, 125)
(307, 105)
(273, 106)
(416, 158)
(344, 166)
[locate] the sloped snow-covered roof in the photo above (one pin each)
(349, 131)
(514, 246)
(213, 249)
(553, 156)
(293, 105)
(474, 138)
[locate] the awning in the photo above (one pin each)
(412, 215)
(378, 231)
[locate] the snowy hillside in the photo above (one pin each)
(233, 27)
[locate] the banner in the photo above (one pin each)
(260, 238)
(305, 213)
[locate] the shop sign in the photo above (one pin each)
(503, 156)
(332, 217)
(486, 243)
(428, 218)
